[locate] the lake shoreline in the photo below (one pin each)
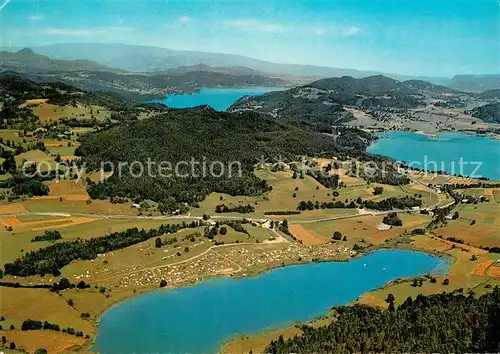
(256, 274)
(219, 98)
(453, 156)
(326, 316)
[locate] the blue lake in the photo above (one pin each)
(199, 318)
(218, 98)
(446, 149)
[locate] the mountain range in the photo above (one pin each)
(147, 58)
(89, 75)
(150, 72)
(26, 60)
(320, 104)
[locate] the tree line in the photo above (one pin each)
(384, 205)
(443, 323)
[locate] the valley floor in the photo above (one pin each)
(121, 274)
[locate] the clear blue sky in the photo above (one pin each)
(420, 37)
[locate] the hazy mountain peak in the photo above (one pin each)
(26, 51)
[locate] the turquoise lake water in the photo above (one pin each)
(445, 149)
(197, 319)
(218, 98)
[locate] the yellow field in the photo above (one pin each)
(60, 143)
(48, 113)
(486, 230)
(372, 300)
(36, 101)
(307, 237)
(66, 187)
(20, 226)
(365, 227)
(69, 227)
(494, 272)
(46, 161)
(280, 198)
(257, 343)
(480, 269)
(78, 206)
(21, 304)
(12, 208)
(284, 187)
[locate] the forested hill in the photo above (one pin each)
(377, 85)
(445, 323)
(322, 102)
(203, 134)
(15, 90)
(145, 86)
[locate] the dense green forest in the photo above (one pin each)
(489, 113)
(444, 323)
(238, 141)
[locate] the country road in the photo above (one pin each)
(361, 213)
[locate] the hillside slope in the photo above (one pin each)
(28, 61)
(489, 113)
(322, 102)
(475, 83)
(201, 134)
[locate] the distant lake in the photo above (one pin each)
(446, 149)
(199, 318)
(218, 98)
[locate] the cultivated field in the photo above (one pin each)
(478, 225)
(49, 113)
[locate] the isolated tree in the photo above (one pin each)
(223, 230)
(337, 235)
(163, 283)
(390, 298)
(158, 242)
(41, 351)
